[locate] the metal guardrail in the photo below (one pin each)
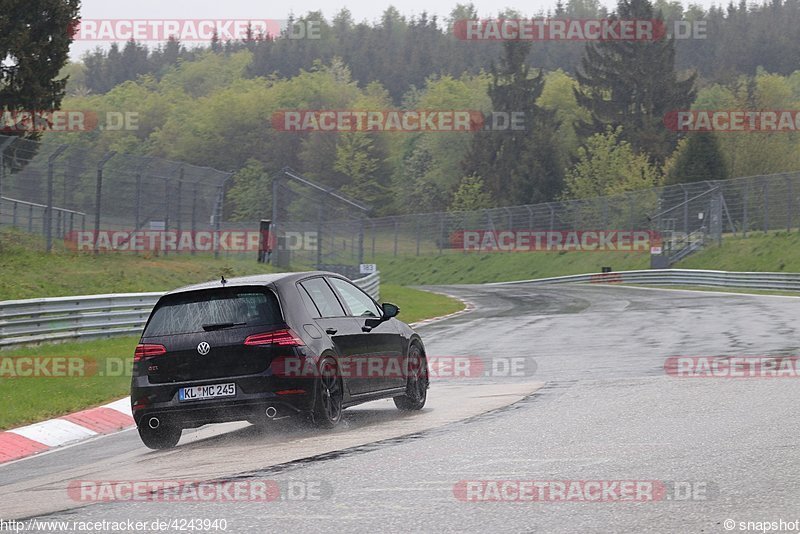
(681, 277)
(371, 285)
(32, 217)
(72, 318)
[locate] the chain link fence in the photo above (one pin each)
(56, 189)
(316, 226)
(686, 216)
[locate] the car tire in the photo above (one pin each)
(163, 437)
(326, 411)
(417, 382)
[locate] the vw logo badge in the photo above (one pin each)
(203, 348)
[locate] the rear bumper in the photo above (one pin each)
(199, 415)
(254, 395)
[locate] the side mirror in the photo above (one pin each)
(390, 311)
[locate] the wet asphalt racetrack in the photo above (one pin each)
(607, 411)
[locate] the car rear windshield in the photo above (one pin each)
(214, 309)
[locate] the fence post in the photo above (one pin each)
(194, 214)
(361, 241)
(353, 240)
(218, 218)
(441, 232)
(181, 176)
(372, 225)
(166, 216)
(319, 233)
(138, 215)
(138, 210)
(789, 205)
(417, 231)
(744, 214)
(98, 198)
(5, 144)
(721, 209)
(396, 229)
(766, 206)
(727, 212)
(48, 214)
(631, 210)
(464, 220)
(275, 207)
(685, 209)
(552, 216)
(139, 172)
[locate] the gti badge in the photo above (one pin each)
(203, 348)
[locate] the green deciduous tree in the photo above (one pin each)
(471, 195)
(558, 96)
(355, 160)
(251, 193)
(752, 153)
(608, 166)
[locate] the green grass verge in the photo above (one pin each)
(27, 400)
(30, 273)
(473, 268)
(759, 252)
(417, 305)
(723, 290)
(771, 252)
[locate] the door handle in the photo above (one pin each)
(331, 331)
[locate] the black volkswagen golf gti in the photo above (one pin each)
(261, 347)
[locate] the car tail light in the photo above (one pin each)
(144, 352)
(282, 338)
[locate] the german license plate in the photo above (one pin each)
(198, 393)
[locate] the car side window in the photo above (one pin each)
(360, 304)
(323, 297)
(310, 306)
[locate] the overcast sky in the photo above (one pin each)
(369, 10)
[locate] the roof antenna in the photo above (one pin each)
(223, 280)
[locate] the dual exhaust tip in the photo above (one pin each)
(155, 422)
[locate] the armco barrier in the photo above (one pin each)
(680, 277)
(64, 318)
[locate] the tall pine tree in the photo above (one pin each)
(633, 84)
(518, 166)
(699, 158)
(35, 36)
